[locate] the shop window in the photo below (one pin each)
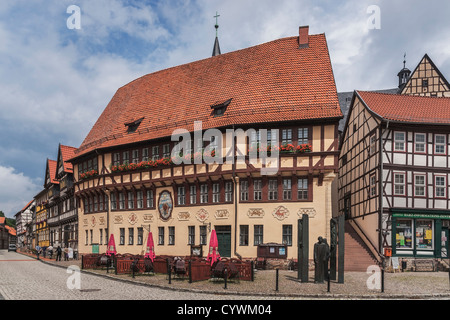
(424, 234)
(403, 236)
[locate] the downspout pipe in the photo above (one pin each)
(235, 196)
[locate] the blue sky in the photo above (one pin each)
(55, 81)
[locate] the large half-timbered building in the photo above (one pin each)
(394, 166)
(128, 183)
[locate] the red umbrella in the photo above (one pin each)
(150, 250)
(213, 253)
(111, 246)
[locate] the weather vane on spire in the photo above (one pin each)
(404, 60)
(217, 22)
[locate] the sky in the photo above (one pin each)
(61, 61)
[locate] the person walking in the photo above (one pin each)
(66, 254)
(58, 253)
(38, 250)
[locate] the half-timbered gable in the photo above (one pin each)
(63, 216)
(404, 203)
(426, 80)
(128, 180)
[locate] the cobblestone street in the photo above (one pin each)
(358, 285)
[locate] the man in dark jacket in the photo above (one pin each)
(58, 253)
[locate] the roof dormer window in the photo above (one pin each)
(220, 108)
(132, 126)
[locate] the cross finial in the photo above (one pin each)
(404, 60)
(217, 22)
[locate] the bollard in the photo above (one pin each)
(276, 279)
(328, 281)
(132, 268)
(225, 277)
(382, 280)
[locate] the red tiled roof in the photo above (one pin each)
(271, 82)
(52, 171)
(11, 230)
(405, 108)
(27, 205)
(67, 153)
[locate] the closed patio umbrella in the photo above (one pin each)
(111, 246)
(150, 249)
(213, 252)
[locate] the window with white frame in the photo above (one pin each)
(273, 189)
(140, 199)
(287, 189)
(419, 142)
(116, 159)
(399, 184)
(373, 185)
(244, 190)
(440, 186)
(155, 153)
(228, 191)
(439, 143)
(166, 150)
(302, 190)
(419, 185)
(135, 156)
(126, 157)
(149, 198)
(145, 154)
(204, 193)
(286, 136)
(193, 194)
(216, 192)
(373, 144)
(130, 200)
(181, 196)
(257, 189)
(399, 141)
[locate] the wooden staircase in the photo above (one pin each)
(357, 256)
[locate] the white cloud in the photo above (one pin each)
(16, 190)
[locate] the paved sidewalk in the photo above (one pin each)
(357, 285)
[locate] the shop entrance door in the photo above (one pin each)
(224, 240)
(444, 243)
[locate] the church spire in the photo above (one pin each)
(403, 75)
(216, 49)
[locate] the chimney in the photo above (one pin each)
(303, 34)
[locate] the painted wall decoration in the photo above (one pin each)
(202, 215)
(281, 213)
(222, 214)
(311, 212)
(93, 221)
(165, 205)
(132, 218)
(183, 216)
(102, 221)
(118, 219)
(255, 213)
(148, 217)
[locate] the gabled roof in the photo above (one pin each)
(64, 154)
(415, 74)
(408, 109)
(51, 171)
(272, 82)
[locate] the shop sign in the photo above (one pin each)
(421, 216)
